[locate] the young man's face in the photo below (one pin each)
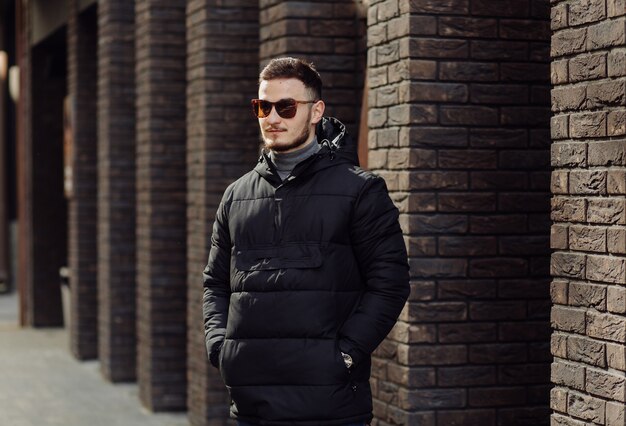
(288, 134)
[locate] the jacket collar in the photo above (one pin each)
(337, 148)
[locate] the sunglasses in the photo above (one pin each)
(285, 108)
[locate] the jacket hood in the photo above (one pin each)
(332, 133)
(337, 147)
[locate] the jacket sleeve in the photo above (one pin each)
(380, 252)
(216, 277)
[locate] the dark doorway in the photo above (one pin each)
(49, 207)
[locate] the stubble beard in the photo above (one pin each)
(300, 140)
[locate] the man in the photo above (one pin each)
(307, 271)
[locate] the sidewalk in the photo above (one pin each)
(41, 384)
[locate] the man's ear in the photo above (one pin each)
(317, 112)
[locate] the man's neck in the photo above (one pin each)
(302, 147)
(286, 161)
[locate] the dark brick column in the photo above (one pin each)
(589, 213)
(327, 33)
(23, 115)
(116, 189)
(161, 204)
(222, 144)
(82, 84)
(458, 118)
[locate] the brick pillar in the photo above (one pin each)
(116, 194)
(458, 119)
(327, 33)
(589, 213)
(23, 145)
(161, 203)
(82, 84)
(222, 73)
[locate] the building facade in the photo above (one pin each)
(498, 125)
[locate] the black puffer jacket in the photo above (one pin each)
(299, 271)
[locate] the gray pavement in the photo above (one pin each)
(41, 384)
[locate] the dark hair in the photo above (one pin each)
(294, 68)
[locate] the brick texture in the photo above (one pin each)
(457, 112)
(221, 80)
(588, 212)
(459, 128)
(116, 200)
(331, 34)
(24, 276)
(82, 80)
(160, 76)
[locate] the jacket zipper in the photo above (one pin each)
(278, 235)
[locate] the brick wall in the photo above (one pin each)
(161, 203)
(6, 175)
(23, 145)
(588, 209)
(82, 250)
(116, 195)
(327, 33)
(222, 144)
(458, 126)
(458, 119)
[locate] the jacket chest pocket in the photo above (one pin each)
(288, 256)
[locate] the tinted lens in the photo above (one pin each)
(261, 108)
(286, 108)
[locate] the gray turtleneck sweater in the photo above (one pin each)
(285, 162)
